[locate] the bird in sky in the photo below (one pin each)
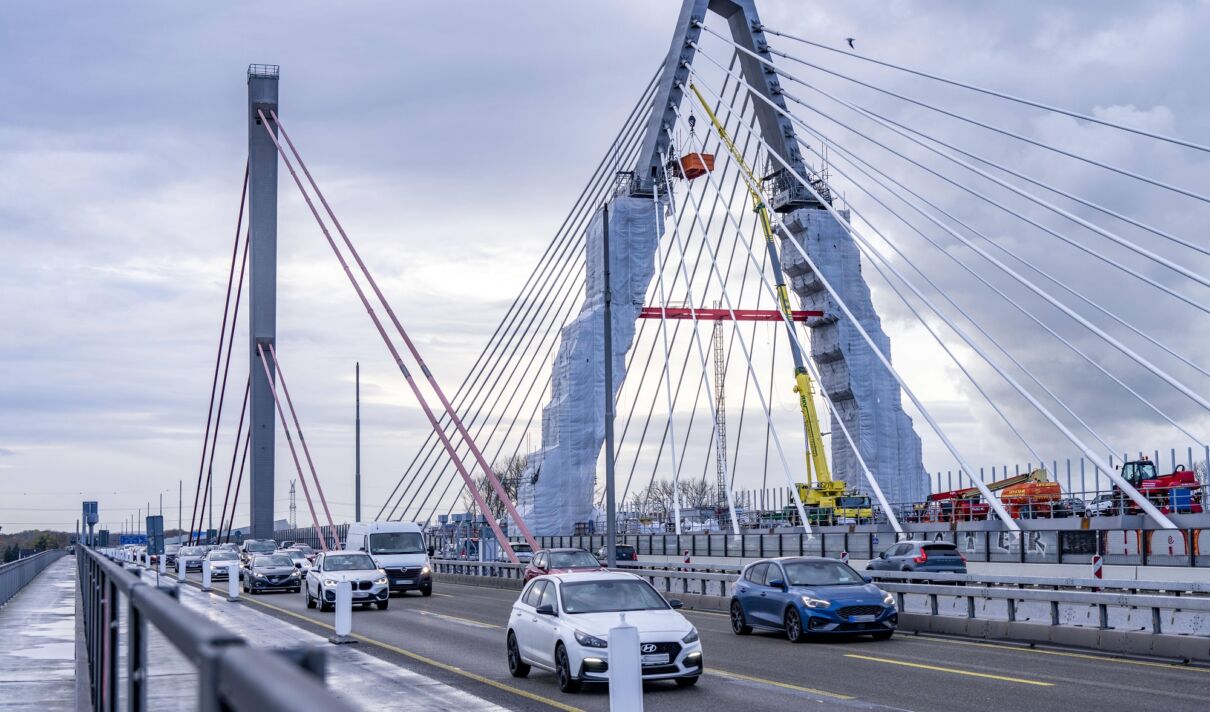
(850, 41)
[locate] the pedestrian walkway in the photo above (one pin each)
(37, 656)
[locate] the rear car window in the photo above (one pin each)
(941, 548)
(756, 574)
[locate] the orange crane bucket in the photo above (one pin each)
(693, 165)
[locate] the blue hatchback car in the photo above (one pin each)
(809, 596)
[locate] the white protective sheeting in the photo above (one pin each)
(556, 491)
(865, 395)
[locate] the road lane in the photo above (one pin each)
(459, 635)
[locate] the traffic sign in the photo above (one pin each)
(155, 534)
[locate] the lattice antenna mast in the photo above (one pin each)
(293, 508)
(720, 414)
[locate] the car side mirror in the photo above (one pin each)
(675, 603)
(777, 583)
(545, 610)
(882, 554)
(361, 548)
(868, 579)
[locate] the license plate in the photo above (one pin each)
(862, 619)
(656, 659)
(403, 582)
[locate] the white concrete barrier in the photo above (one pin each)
(206, 576)
(233, 581)
(625, 668)
(344, 613)
(181, 572)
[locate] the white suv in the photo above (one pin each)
(369, 582)
(561, 623)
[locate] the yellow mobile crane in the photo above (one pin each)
(825, 500)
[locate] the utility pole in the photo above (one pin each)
(720, 414)
(293, 508)
(180, 511)
(357, 448)
(611, 555)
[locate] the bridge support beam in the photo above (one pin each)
(262, 293)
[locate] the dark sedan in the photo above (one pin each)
(922, 556)
(273, 572)
(810, 596)
(192, 556)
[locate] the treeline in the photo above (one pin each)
(11, 545)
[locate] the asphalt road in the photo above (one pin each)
(457, 637)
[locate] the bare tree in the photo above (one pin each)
(508, 473)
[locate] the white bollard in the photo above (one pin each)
(181, 572)
(233, 581)
(625, 668)
(162, 562)
(206, 578)
(344, 613)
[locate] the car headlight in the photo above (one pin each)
(293, 574)
(329, 582)
(258, 577)
(590, 641)
(382, 580)
(690, 637)
(888, 599)
(811, 602)
(424, 571)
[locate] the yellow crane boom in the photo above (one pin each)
(816, 461)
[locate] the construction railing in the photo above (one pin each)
(232, 675)
(16, 574)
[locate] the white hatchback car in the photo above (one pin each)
(561, 623)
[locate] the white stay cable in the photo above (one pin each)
(855, 160)
(961, 186)
(667, 378)
(697, 336)
(966, 119)
(1096, 459)
(743, 346)
(983, 90)
(850, 157)
(1054, 189)
(869, 476)
(1161, 373)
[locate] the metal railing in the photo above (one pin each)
(231, 674)
(16, 574)
(995, 597)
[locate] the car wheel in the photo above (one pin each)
(324, 606)
(516, 666)
(686, 681)
(794, 626)
(426, 591)
(883, 635)
(563, 671)
(310, 601)
(738, 625)
(382, 605)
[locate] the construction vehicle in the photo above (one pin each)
(1026, 494)
(820, 494)
(1175, 493)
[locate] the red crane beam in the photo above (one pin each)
(724, 314)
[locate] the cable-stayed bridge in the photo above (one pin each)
(700, 361)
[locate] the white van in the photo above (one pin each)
(399, 549)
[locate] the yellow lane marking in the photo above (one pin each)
(955, 671)
(1061, 653)
(785, 685)
(428, 661)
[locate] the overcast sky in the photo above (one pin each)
(452, 138)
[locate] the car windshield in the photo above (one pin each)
(522, 548)
(610, 595)
(273, 561)
(821, 573)
(190, 551)
(349, 562)
(223, 556)
(852, 502)
(396, 543)
(303, 549)
(573, 560)
(260, 547)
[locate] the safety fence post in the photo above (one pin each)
(233, 581)
(625, 668)
(344, 614)
(206, 574)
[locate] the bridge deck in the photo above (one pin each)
(37, 668)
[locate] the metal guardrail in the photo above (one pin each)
(231, 674)
(16, 574)
(1060, 595)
